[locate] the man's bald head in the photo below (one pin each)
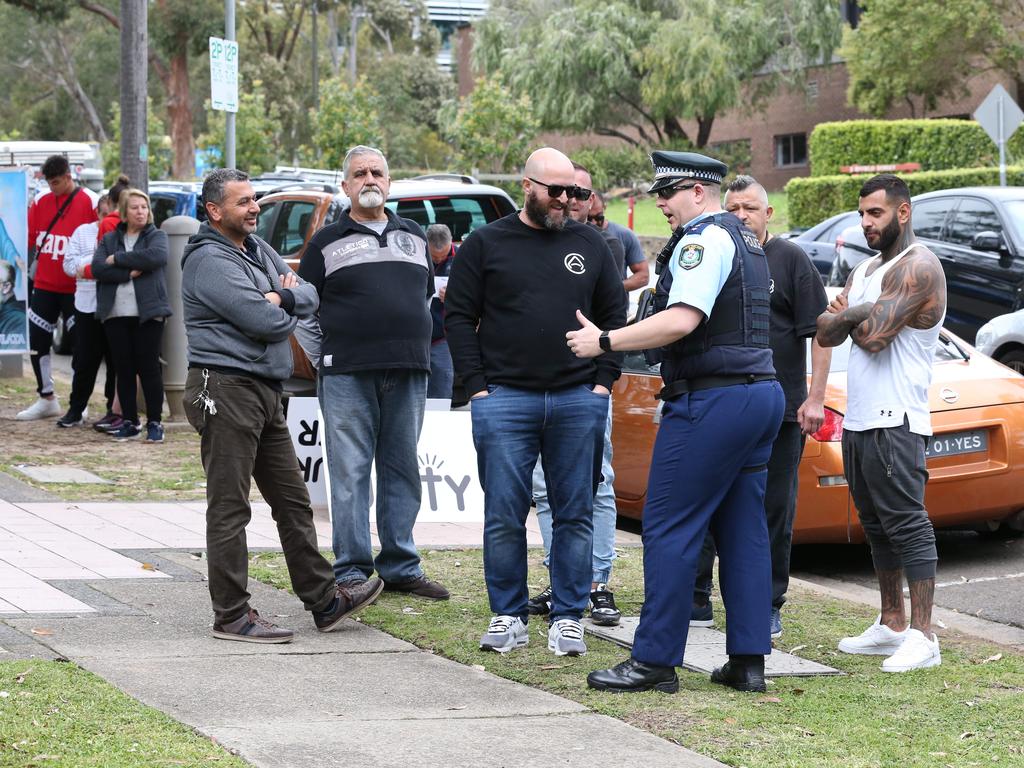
(549, 165)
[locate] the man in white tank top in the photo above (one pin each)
(892, 309)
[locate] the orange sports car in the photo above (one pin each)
(975, 457)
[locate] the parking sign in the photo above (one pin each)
(224, 74)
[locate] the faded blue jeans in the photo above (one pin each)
(511, 429)
(605, 512)
(374, 415)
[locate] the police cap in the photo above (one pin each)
(672, 167)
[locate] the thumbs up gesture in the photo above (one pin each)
(584, 342)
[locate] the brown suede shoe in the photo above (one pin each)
(251, 628)
(421, 587)
(349, 598)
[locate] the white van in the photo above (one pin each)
(85, 158)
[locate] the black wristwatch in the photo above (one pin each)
(605, 341)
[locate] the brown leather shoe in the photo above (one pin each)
(349, 598)
(251, 628)
(420, 587)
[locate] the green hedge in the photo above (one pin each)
(815, 198)
(935, 144)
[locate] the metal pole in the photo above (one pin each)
(1002, 145)
(229, 128)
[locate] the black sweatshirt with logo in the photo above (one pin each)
(512, 296)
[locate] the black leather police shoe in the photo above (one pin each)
(744, 673)
(634, 676)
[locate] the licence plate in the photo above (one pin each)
(956, 443)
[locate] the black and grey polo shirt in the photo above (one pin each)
(374, 291)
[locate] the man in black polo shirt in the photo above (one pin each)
(374, 277)
(514, 292)
(797, 298)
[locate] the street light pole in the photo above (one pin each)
(229, 127)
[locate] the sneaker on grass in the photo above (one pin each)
(127, 431)
(72, 419)
(565, 638)
(540, 604)
(350, 597)
(916, 652)
(504, 634)
(41, 409)
(603, 610)
(876, 640)
(154, 432)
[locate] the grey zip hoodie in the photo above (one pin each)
(228, 320)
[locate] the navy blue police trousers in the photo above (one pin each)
(709, 469)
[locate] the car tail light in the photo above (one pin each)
(831, 429)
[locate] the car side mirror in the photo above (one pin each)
(987, 241)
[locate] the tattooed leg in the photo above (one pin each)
(922, 597)
(890, 584)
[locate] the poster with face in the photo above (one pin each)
(13, 260)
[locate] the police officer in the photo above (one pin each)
(722, 410)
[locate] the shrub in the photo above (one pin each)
(935, 144)
(814, 199)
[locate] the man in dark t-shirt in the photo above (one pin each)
(797, 298)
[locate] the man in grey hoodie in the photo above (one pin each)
(241, 303)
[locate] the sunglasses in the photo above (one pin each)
(599, 219)
(572, 191)
(666, 192)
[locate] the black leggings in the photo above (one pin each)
(45, 307)
(135, 348)
(91, 349)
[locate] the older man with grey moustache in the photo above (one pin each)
(374, 276)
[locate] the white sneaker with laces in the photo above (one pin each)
(876, 640)
(565, 638)
(504, 634)
(40, 409)
(917, 652)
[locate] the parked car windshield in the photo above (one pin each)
(461, 214)
(1015, 210)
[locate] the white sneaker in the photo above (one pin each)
(565, 638)
(504, 634)
(917, 652)
(876, 640)
(40, 409)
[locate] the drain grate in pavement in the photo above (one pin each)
(60, 474)
(705, 650)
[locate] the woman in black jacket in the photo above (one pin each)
(131, 302)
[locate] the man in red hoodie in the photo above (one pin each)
(52, 219)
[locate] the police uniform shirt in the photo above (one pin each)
(700, 265)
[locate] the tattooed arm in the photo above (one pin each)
(913, 294)
(839, 319)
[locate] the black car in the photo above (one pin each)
(978, 235)
(819, 242)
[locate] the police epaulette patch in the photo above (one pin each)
(691, 255)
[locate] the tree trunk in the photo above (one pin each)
(134, 46)
(332, 40)
(179, 110)
(704, 130)
(673, 130)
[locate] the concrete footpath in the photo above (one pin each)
(353, 697)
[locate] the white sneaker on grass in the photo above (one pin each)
(40, 409)
(504, 634)
(565, 638)
(916, 652)
(876, 640)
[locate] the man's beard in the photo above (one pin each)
(371, 197)
(889, 235)
(541, 215)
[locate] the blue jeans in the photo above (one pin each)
(605, 512)
(511, 428)
(441, 371)
(368, 415)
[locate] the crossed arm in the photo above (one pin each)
(913, 293)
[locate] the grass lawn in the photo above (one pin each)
(968, 712)
(648, 220)
(56, 714)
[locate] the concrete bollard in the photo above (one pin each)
(179, 229)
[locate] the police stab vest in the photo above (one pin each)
(734, 339)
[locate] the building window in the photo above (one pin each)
(791, 149)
